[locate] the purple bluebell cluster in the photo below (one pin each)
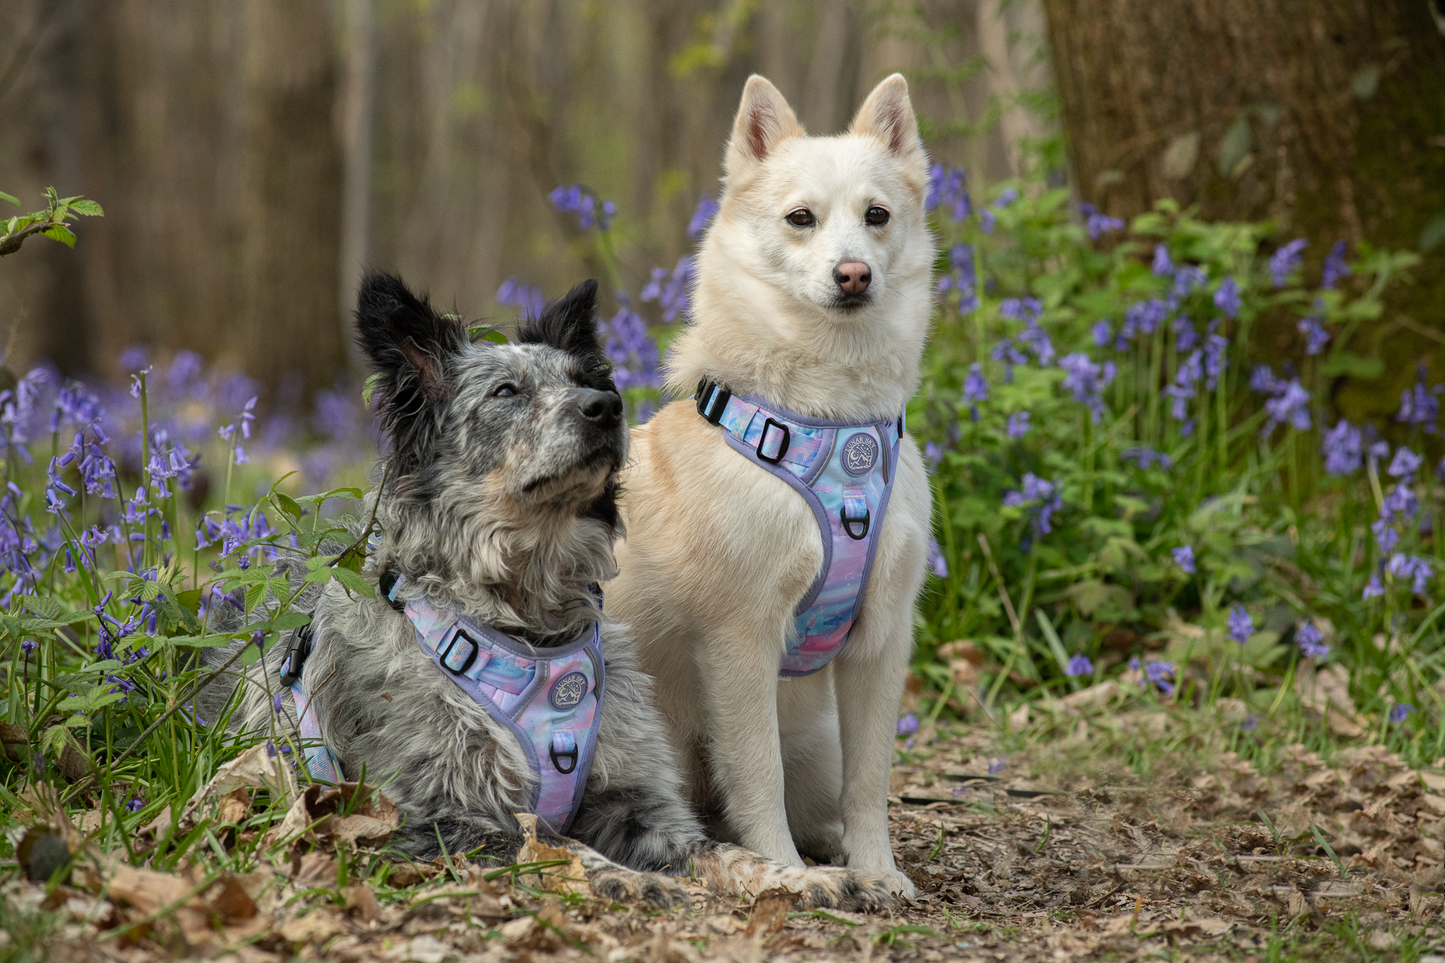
(576, 199)
(975, 389)
(1033, 336)
(962, 278)
(1412, 567)
(1146, 458)
(631, 350)
(1227, 298)
(1043, 500)
(1158, 672)
(1241, 626)
(1420, 405)
(936, 562)
(528, 300)
(1311, 641)
(1343, 449)
(1286, 261)
(1096, 223)
(948, 189)
(1006, 352)
(908, 725)
(1335, 266)
(1288, 402)
(671, 290)
(1087, 379)
(1184, 558)
(1018, 425)
(1316, 335)
(702, 215)
(1078, 665)
(1400, 712)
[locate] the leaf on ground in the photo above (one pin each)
(770, 912)
(259, 767)
(569, 879)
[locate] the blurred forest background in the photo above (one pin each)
(252, 155)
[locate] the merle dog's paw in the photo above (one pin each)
(833, 887)
(628, 886)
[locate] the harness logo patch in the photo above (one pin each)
(568, 691)
(860, 452)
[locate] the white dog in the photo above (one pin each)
(781, 522)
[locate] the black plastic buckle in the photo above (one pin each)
(712, 401)
(782, 449)
(296, 655)
(569, 754)
(461, 636)
(387, 582)
(848, 523)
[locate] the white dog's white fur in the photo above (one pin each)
(719, 552)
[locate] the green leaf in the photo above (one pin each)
(1234, 148)
(353, 582)
(11, 199)
(1433, 234)
(288, 620)
(288, 505)
(86, 207)
(1352, 365)
(58, 232)
(372, 383)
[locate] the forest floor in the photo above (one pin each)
(1120, 835)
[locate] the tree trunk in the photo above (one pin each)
(1327, 116)
(291, 193)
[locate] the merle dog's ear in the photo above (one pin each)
(409, 345)
(569, 324)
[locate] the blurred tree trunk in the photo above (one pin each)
(1327, 116)
(291, 185)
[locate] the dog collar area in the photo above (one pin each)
(844, 471)
(549, 698)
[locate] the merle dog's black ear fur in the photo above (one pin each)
(569, 324)
(410, 345)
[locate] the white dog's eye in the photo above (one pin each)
(802, 217)
(876, 216)
(505, 391)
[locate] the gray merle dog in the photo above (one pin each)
(498, 504)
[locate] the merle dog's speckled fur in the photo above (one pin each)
(500, 502)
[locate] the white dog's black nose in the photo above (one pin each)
(602, 408)
(852, 276)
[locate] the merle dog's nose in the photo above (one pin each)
(852, 276)
(602, 408)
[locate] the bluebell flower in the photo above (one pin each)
(1018, 425)
(631, 350)
(1286, 260)
(673, 291)
(1241, 626)
(1044, 500)
(908, 725)
(962, 278)
(1162, 266)
(975, 389)
(1404, 464)
(932, 453)
(1006, 197)
(135, 804)
(575, 199)
(1413, 567)
(1006, 352)
(1187, 278)
(1311, 641)
(1161, 673)
(1290, 406)
(936, 561)
(702, 215)
(1103, 333)
(1216, 347)
(1250, 723)
(1316, 337)
(1419, 405)
(1263, 381)
(1079, 665)
(1373, 588)
(1343, 449)
(1400, 712)
(1185, 337)
(1146, 457)
(948, 188)
(986, 221)
(1087, 380)
(1227, 298)
(1335, 266)
(996, 766)
(27, 646)
(514, 293)
(1184, 558)
(1098, 224)
(1145, 316)
(1385, 535)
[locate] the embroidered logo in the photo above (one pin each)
(568, 691)
(859, 454)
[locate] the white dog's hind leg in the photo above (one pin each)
(813, 763)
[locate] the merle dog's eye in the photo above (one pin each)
(876, 216)
(802, 217)
(505, 391)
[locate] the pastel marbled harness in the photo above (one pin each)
(844, 471)
(549, 698)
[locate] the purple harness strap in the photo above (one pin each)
(550, 699)
(844, 470)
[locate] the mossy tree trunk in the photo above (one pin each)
(1325, 116)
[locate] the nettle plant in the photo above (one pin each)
(1120, 483)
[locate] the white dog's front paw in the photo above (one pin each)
(893, 880)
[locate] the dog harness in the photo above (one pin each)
(549, 698)
(844, 471)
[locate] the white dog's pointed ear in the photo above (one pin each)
(887, 114)
(764, 120)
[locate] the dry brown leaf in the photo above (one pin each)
(770, 912)
(1092, 697)
(361, 901)
(372, 819)
(315, 869)
(259, 767)
(315, 928)
(571, 878)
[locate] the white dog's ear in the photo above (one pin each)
(764, 120)
(887, 114)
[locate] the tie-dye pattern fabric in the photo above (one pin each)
(321, 762)
(550, 699)
(845, 473)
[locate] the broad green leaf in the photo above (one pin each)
(87, 207)
(288, 504)
(57, 232)
(8, 197)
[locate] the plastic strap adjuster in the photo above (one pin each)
(296, 655)
(445, 657)
(782, 447)
(712, 401)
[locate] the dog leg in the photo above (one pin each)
(813, 762)
(740, 690)
(738, 871)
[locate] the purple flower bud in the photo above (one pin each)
(1286, 261)
(1400, 712)
(1241, 626)
(1227, 298)
(1184, 558)
(1079, 665)
(908, 725)
(1311, 642)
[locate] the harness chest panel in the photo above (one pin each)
(844, 471)
(549, 698)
